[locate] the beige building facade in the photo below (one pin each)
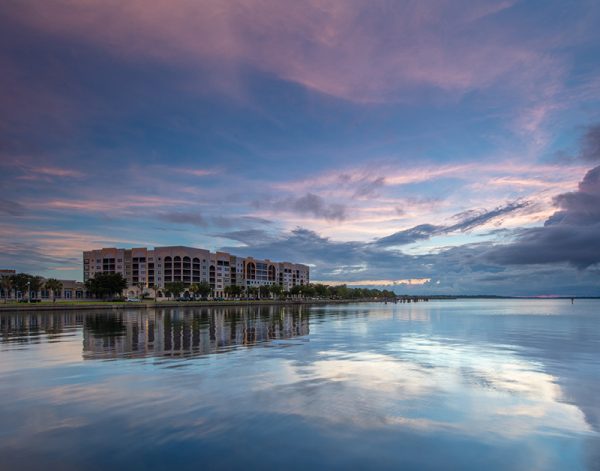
(71, 290)
(153, 268)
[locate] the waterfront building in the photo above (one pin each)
(145, 268)
(71, 290)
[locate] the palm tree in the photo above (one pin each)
(155, 288)
(54, 286)
(35, 285)
(276, 290)
(6, 285)
(252, 291)
(194, 289)
(264, 291)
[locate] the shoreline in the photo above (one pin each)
(73, 306)
(91, 305)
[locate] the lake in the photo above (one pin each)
(463, 384)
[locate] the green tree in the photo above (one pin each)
(194, 289)
(52, 284)
(7, 285)
(204, 289)
(339, 292)
(20, 283)
(233, 291)
(276, 290)
(295, 290)
(175, 288)
(142, 287)
(308, 291)
(321, 290)
(252, 291)
(105, 285)
(35, 285)
(264, 291)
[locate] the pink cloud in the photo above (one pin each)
(46, 173)
(361, 51)
(52, 243)
(118, 204)
(343, 182)
(58, 172)
(37, 169)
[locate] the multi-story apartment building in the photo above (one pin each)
(152, 268)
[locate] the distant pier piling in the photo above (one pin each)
(412, 299)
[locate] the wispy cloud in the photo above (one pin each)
(308, 204)
(371, 52)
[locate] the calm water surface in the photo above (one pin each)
(450, 384)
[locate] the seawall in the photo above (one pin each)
(75, 306)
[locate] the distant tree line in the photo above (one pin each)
(110, 285)
(276, 291)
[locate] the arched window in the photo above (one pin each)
(168, 261)
(250, 271)
(211, 276)
(196, 270)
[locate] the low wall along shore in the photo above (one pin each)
(74, 305)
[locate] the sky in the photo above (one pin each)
(440, 147)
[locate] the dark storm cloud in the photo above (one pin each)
(408, 236)
(314, 204)
(471, 219)
(590, 147)
(368, 188)
(247, 236)
(459, 270)
(331, 256)
(310, 204)
(579, 246)
(195, 219)
(571, 235)
(307, 245)
(468, 269)
(579, 207)
(467, 220)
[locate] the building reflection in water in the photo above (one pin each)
(176, 332)
(181, 332)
